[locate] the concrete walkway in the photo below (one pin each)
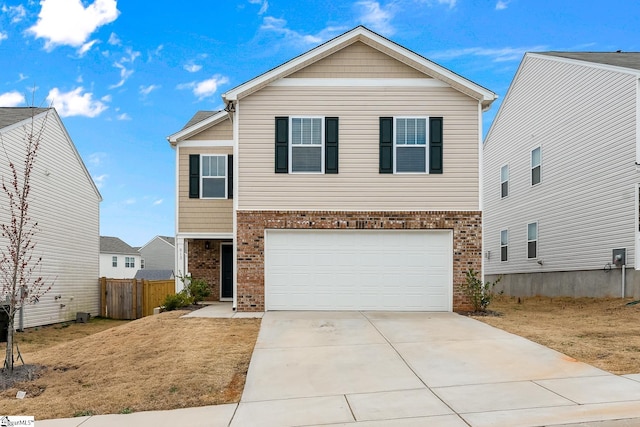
(404, 369)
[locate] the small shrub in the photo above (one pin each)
(479, 293)
(126, 411)
(85, 413)
(174, 302)
(198, 289)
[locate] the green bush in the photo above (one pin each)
(179, 300)
(198, 289)
(479, 293)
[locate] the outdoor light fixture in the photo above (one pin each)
(230, 108)
(207, 245)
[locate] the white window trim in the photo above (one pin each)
(537, 240)
(114, 261)
(507, 245)
(226, 176)
(502, 182)
(290, 144)
(531, 166)
(426, 145)
(129, 262)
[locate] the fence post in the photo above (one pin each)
(103, 297)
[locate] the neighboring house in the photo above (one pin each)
(65, 203)
(147, 274)
(344, 179)
(158, 254)
(561, 176)
(118, 260)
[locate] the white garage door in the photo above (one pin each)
(358, 270)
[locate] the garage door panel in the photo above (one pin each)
(358, 270)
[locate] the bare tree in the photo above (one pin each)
(20, 283)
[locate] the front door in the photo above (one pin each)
(226, 287)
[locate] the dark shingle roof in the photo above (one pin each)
(113, 245)
(13, 115)
(198, 117)
(619, 59)
(154, 274)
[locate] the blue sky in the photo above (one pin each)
(125, 75)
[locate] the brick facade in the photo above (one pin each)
(205, 264)
(467, 242)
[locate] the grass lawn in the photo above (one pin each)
(601, 332)
(154, 363)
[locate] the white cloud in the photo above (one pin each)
(106, 98)
(16, 13)
(3, 36)
(264, 5)
(279, 27)
(11, 99)
(86, 47)
(68, 22)
(125, 72)
(114, 40)
(123, 116)
(22, 77)
(497, 55)
(450, 3)
(96, 159)
(502, 4)
(100, 180)
(146, 90)
(158, 202)
(130, 201)
(205, 88)
(75, 103)
(376, 17)
(192, 68)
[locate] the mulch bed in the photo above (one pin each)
(21, 373)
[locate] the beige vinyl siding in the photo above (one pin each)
(201, 215)
(358, 186)
(222, 131)
(584, 120)
(358, 61)
(65, 204)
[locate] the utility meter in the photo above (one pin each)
(619, 257)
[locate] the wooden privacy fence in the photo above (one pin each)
(129, 299)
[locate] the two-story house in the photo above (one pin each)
(65, 204)
(118, 260)
(344, 179)
(562, 177)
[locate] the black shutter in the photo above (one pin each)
(435, 145)
(194, 176)
(230, 176)
(331, 145)
(282, 145)
(386, 144)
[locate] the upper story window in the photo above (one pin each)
(210, 176)
(504, 245)
(114, 261)
(532, 240)
(129, 262)
(214, 177)
(306, 145)
(411, 145)
(536, 166)
(142, 263)
(504, 181)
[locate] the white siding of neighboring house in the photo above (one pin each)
(65, 204)
(158, 254)
(584, 118)
(119, 272)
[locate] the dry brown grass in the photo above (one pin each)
(602, 332)
(158, 362)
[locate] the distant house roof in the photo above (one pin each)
(13, 115)
(113, 245)
(170, 240)
(618, 59)
(154, 274)
(198, 117)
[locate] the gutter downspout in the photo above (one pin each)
(232, 113)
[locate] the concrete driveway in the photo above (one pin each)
(416, 369)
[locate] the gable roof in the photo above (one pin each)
(372, 39)
(200, 121)
(113, 245)
(629, 60)
(154, 274)
(166, 239)
(12, 115)
(15, 116)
